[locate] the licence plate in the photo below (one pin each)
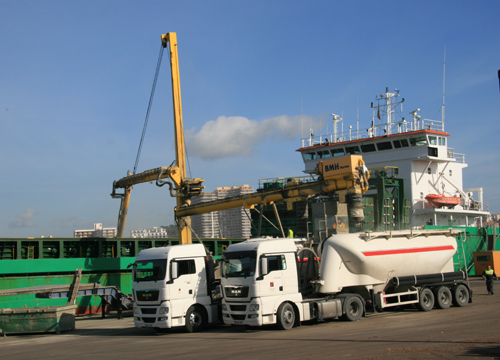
(238, 322)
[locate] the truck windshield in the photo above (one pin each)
(239, 263)
(149, 270)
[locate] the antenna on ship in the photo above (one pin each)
(302, 117)
(444, 73)
(357, 117)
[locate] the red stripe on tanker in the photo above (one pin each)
(407, 251)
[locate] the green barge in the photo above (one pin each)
(29, 262)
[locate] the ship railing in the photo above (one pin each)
(282, 182)
(460, 158)
(399, 127)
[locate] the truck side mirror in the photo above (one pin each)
(174, 273)
(263, 267)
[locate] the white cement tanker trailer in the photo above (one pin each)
(279, 281)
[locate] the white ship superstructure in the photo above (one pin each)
(419, 149)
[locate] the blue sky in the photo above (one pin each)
(75, 80)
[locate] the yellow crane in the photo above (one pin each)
(183, 188)
(344, 176)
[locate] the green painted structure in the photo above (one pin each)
(28, 262)
(44, 319)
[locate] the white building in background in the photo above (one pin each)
(205, 225)
(231, 223)
(154, 232)
(98, 232)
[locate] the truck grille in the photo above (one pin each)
(238, 307)
(149, 320)
(238, 317)
(148, 311)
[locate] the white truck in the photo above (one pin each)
(278, 281)
(174, 286)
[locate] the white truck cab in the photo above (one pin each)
(173, 286)
(258, 276)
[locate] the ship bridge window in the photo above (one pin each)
(309, 156)
(352, 150)
(324, 154)
(442, 141)
(368, 148)
(386, 145)
(433, 151)
(400, 143)
(418, 141)
(338, 152)
(432, 140)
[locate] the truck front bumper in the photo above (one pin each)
(236, 313)
(149, 317)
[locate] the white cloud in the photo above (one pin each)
(24, 219)
(237, 136)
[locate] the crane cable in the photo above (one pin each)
(158, 64)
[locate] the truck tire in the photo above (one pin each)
(353, 309)
(426, 302)
(196, 319)
(286, 316)
(461, 295)
(443, 297)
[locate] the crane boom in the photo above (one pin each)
(346, 175)
(180, 153)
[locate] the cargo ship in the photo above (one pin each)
(417, 151)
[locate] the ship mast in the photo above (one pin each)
(444, 73)
(386, 103)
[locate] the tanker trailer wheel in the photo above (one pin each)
(196, 319)
(461, 295)
(426, 302)
(286, 316)
(443, 297)
(353, 309)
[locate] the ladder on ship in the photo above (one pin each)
(461, 262)
(31, 252)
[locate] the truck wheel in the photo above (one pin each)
(443, 297)
(286, 316)
(353, 309)
(196, 319)
(460, 295)
(426, 302)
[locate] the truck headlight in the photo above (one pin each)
(253, 307)
(224, 307)
(163, 310)
(136, 310)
